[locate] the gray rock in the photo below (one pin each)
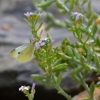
(16, 7)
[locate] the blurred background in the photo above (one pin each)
(15, 32)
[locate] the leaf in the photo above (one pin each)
(69, 51)
(90, 54)
(72, 3)
(38, 77)
(92, 87)
(77, 70)
(38, 1)
(97, 62)
(60, 67)
(77, 54)
(59, 79)
(94, 28)
(90, 21)
(46, 3)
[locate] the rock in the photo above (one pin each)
(84, 94)
(16, 7)
(5, 27)
(2, 33)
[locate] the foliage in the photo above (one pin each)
(81, 57)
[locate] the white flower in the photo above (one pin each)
(22, 88)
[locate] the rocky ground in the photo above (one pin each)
(14, 32)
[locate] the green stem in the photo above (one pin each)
(61, 91)
(85, 86)
(83, 83)
(64, 7)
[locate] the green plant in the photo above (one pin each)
(77, 56)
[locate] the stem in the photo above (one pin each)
(64, 7)
(61, 91)
(83, 83)
(85, 86)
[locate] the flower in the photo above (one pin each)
(33, 38)
(44, 38)
(38, 13)
(78, 15)
(33, 86)
(37, 45)
(52, 41)
(22, 88)
(33, 16)
(28, 14)
(41, 42)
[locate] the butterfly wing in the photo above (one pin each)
(14, 53)
(26, 54)
(23, 53)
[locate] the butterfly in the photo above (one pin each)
(23, 53)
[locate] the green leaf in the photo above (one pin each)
(28, 23)
(77, 70)
(69, 51)
(89, 5)
(90, 54)
(58, 61)
(90, 68)
(66, 41)
(84, 1)
(97, 62)
(60, 67)
(84, 29)
(46, 3)
(90, 21)
(49, 37)
(51, 17)
(59, 79)
(59, 4)
(41, 79)
(40, 26)
(49, 25)
(92, 87)
(86, 99)
(38, 77)
(72, 3)
(77, 54)
(68, 23)
(66, 1)
(97, 40)
(38, 1)
(74, 77)
(54, 79)
(82, 59)
(94, 28)
(85, 73)
(62, 11)
(60, 23)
